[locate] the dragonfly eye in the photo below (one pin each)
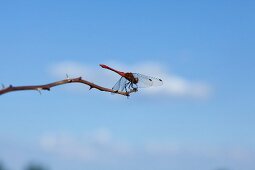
(136, 79)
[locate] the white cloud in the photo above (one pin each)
(174, 85)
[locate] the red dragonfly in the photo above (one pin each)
(132, 81)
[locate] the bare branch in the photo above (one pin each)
(11, 88)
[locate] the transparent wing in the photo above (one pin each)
(147, 81)
(120, 85)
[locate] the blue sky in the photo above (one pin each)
(201, 118)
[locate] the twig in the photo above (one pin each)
(12, 88)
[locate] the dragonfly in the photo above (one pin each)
(132, 81)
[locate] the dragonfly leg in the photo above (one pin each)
(126, 85)
(132, 85)
(134, 88)
(115, 91)
(129, 85)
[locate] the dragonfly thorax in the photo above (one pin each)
(130, 77)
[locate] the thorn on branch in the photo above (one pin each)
(68, 78)
(90, 87)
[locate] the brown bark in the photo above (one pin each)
(12, 88)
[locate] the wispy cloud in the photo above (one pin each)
(102, 147)
(98, 145)
(174, 85)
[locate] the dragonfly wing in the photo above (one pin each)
(147, 81)
(120, 85)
